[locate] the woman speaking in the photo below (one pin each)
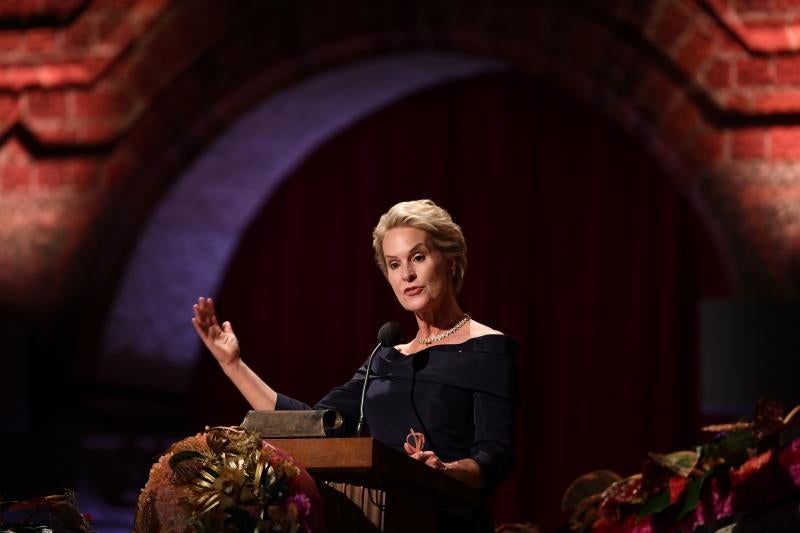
(454, 382)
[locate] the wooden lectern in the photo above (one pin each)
(414, 492)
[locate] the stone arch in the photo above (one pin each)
(185, 246)
(637, 86)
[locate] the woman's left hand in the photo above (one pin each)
(429, 458)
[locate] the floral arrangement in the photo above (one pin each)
(748, 466)
(57, 513)
(227, 479)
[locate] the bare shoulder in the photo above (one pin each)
(476, 329)
(402, 348)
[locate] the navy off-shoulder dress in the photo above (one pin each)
(461, 396)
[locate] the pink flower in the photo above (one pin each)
(789, 459)
(302, 503)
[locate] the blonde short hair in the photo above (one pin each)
(445, 235)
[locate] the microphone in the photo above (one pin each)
(387, 336)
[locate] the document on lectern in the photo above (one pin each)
(288, 424)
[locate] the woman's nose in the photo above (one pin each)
(409, 274)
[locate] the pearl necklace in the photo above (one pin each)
(442, 335)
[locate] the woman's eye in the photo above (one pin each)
(393, 265)
(419, 258)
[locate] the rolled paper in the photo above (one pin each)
(284, 424)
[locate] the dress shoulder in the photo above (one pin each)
(499, 344)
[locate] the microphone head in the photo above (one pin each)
(389, 333)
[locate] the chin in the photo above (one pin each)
(414, 304)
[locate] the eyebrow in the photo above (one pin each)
(410, 252)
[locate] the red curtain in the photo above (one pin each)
(579, 246)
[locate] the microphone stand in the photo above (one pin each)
(364, 389)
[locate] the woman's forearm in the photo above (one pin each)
(467, 471)
(258, 394)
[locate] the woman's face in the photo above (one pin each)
(419, 274)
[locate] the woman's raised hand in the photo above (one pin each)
(220, 340)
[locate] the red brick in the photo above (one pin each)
(76, 72)
(40, 41)
(737, 102)
(728, 44)
(751, 72)
(695, 51)
(794, 36)
(76, 173)
(51, 174)
(78, 37)
(10, 43)
(16, 77)
(55, 131)
(671, 24)
(140, 79)
(39, 8)
(99, 104)
(778, 102)
(117, 28)
(15, 177)
(27, 8)
(785, 143)
(744, 6)
(13, 152)
(768, 39)
(8, 112)
(681, 121)
(705, 148)
(749, 144)
(82, 173)
(146, 9)
(90, 68)
(718, 75)
(95, 131)
(787, 70)
(46, 104)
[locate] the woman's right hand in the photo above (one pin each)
(220, 340)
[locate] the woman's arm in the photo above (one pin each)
(224, 346)
(258, 394)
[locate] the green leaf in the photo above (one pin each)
(691, 495)
(693, 487)
(732, 448)
(654, 505)
(681, 463)
(184, 456)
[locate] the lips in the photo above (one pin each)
(412, 291)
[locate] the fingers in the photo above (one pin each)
(205, 313)
(428, 457)
(203, 333)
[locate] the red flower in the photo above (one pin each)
(677, 485)
(750, 467)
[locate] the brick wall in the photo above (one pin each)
(102, 103)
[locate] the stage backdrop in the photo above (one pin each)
(579, 246)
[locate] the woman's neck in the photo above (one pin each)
(431, 322)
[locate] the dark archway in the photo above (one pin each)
(580, 246)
